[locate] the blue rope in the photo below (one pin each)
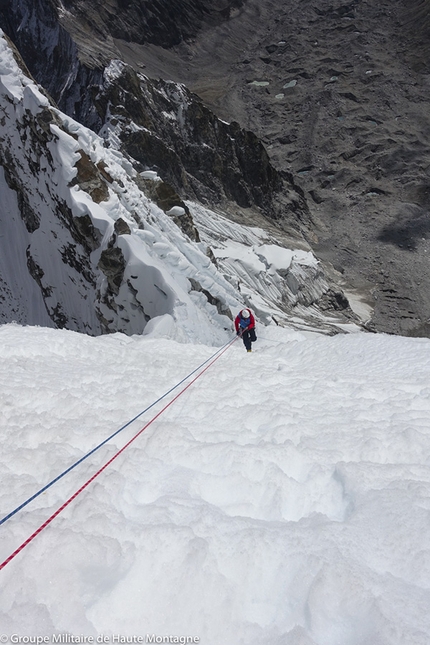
(88, 454)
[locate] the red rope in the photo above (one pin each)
(87, 483)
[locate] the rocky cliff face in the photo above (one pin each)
(200, 155)
(163, 126)
(163, 22)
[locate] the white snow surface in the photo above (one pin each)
(268, 276)
(282, 499)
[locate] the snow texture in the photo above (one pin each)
(283, 499)
(277, 283)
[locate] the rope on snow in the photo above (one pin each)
(93, 450)
(22, 546)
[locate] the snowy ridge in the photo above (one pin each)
(292, 510)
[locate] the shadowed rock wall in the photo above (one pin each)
(163, 22)
(67, 48)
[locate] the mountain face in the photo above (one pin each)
(162, 125)
(338, 94)
(94, 242)
(123, 72)
(165, 23)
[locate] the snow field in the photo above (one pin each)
(283, 498)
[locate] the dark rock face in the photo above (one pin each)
(91, 179)
(414, 16)
(199, 155)
(67, 44)
(167, 199)
(163, 22)
(112, 264)
(121, 227)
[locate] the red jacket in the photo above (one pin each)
(251, 320)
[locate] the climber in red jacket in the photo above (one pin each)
(245, 327)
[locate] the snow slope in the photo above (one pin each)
(283, 499)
